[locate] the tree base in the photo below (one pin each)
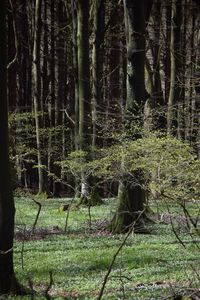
(123, 222)
(14, 288)
(131, 212)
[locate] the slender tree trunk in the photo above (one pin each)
(37, 91)
(196, 99)
(154, 106)
(61, 88)
(75, 71)
(97, 67)
(76, 87)
(189, 72)
(165, 58)
(51, 99)
(174, 93)
(83, 85)
(45, 60)
(114, 62)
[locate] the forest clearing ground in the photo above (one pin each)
(148, 267)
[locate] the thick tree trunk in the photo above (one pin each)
(8, 282)
(131, 196)
(131, 199)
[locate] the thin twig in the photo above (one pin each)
(22, 251)
(173, 228)
(89, 214)
(67, 216)
(68, 116)
(32, 292)
(38, 213)
(47, 296)
(115, 256)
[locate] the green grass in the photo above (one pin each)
(148, 267)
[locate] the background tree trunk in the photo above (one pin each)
(175, 91)
(97, 67)
(84, 85)
(37, 92)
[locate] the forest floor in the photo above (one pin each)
(70, 261)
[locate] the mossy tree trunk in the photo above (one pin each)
(131, 194)
(8, 282)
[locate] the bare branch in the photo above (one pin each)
(68, 116)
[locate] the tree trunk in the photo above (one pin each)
(37, 91)
(51, 98)
(12, 55)
(60, 97)
(97, 66)
(83, 85)
(76, 88)
(8, 282)
(174, 93)
(131, 195)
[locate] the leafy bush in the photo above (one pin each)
(169, 166)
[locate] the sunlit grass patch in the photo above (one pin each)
(147, 267)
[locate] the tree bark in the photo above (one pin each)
(37, 91)
(97, 66)
(83, 85)
(8, 282)
(174, 93)
(131, 195)
(60, 97)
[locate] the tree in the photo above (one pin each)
(8, 282)
(174, 93)
(83, 84)
(131, 195)
(97, 65)
(37, 91)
